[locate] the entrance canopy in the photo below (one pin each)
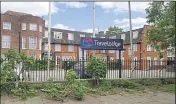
(101, 43)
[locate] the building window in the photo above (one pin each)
(6, 41)
(134, 47)
(102, 37)
(23, 26)
(111, 58)
(57, 35)
(7, 25)
(102, 51)
(112, 37)
(155, 61)
(129, 51)
(57, 47)
(70, 36)
(23, 42)
(135, 34)
(70, 48)
(46, 34)
(33, 27)
(40, 44)
(149, 47)
(123, 36)
(82, 35)
(32, 55)
(111, 51)
(40, 28)
(46, 47)
(32, 42)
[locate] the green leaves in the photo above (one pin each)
(162, 33)
(97, 68)
(114, 31)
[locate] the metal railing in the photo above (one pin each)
(37, 72)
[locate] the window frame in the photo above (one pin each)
(23, 26)
(57, 34)
(40, 28)
(72, 35)
(33, 43)
(6, 24)
(32, 28)
(136, 34)
(58, 46)
(24, 45)
(6, 41)
(70, 47)
(124, 36)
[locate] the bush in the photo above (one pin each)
(6, 88)
(24, 91)
(97, 68)
(124, 83)
(149, 82)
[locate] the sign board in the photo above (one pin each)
(101, 43)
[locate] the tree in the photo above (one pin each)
(161, 16)
(114, 31)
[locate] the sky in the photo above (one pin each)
(78, 16)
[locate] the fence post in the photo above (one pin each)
(120, 71)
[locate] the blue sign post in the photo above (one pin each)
(102, 44)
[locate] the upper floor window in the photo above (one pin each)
(134, 47)
(102, 37)
(7, 25)
(33, 27)
(57, 35)
(40, 28)
(82, 35)
(23, 42)
(102, 51)
(57, 47)
(46, 34)
(135, 34)
(149, 47)
(111, 51)
(32, 42)
(70, 36)
(23, 26)
(70, 48)
(112, 37)
(123, 36)
(6, 41)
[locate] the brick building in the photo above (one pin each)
(22, 32)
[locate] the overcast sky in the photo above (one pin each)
(79, 15)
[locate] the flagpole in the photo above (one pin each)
(94, 24)
(131, 37)
(49, 33)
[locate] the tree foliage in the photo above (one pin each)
(161, 16)
(113, 30)
(97, 68)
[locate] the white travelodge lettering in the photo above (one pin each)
(107, 43)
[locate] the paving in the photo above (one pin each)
(148, 98)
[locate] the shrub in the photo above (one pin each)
(97, 68)
(6, 88)
(149, 82)
(124, 83)
(24, 91)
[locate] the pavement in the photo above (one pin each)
(148, 98)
